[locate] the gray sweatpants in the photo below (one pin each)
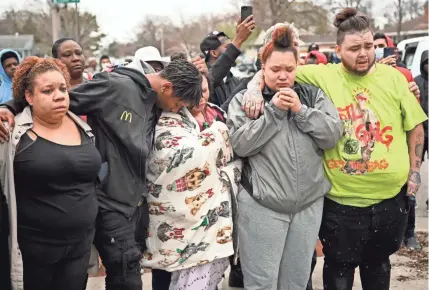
(276, 249)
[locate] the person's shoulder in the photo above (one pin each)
(420, 78)
(318, 67)
(387, 71)
(392, 75)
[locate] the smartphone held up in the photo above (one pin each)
(246, 11)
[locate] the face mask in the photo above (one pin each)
(379, 52)
(105, 65)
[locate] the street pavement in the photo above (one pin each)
(399, 268)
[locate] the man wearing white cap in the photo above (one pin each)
(151, 55)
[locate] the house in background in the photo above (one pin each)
(23, 44)
(326, 42)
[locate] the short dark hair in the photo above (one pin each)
(7, 55)
(350, 21)
(186, 80)
(104, 57)
(380, 35)
(58, 43)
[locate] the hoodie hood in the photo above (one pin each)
(390, 42)
(423, 60)
(321, 57)
(5, 80)
(137, 73)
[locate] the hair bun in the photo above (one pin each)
(178, 55)
(343, 15)
(283, 37)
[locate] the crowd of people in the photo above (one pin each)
(184, 168)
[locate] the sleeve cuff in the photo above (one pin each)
(11, 109)
(302, 114)
(232, 51)
(280, 114)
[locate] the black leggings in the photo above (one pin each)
(53, 267)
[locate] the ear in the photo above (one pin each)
(188, 200)
(167, 88)
(338, 51)
(194, 211)
(214, 54)
(29, 97)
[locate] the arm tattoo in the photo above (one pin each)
(418, 163)
(419, 145)
(414, 177)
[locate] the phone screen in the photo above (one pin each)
(388, 51)
(246, 11)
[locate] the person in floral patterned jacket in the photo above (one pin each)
(193, 184)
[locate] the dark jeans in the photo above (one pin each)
(52, 267)
(115, 240)
(361, 237)
(411, 224)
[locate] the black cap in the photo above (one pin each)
(211, 42)
(312, 47)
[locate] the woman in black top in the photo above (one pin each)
(55, 168)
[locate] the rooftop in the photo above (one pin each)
(24, 42)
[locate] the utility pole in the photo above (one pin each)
(77, 22)
(55, 15)
(162, 41)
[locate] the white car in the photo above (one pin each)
(412, 50)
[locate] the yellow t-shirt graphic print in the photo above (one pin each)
(371, 162)
(362, 131)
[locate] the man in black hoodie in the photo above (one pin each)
(422, 82)
(123, 107)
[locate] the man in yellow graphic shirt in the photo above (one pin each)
(375, 168)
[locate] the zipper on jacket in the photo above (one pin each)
(294, 140)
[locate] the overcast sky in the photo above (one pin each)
(119, 18)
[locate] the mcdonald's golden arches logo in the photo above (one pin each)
(126, 116)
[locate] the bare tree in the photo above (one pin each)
(36, 21)
(340, 4)
(400, 11)
(414, 8)
(303, 14)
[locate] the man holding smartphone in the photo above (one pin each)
(220, 55)
(385, 54)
